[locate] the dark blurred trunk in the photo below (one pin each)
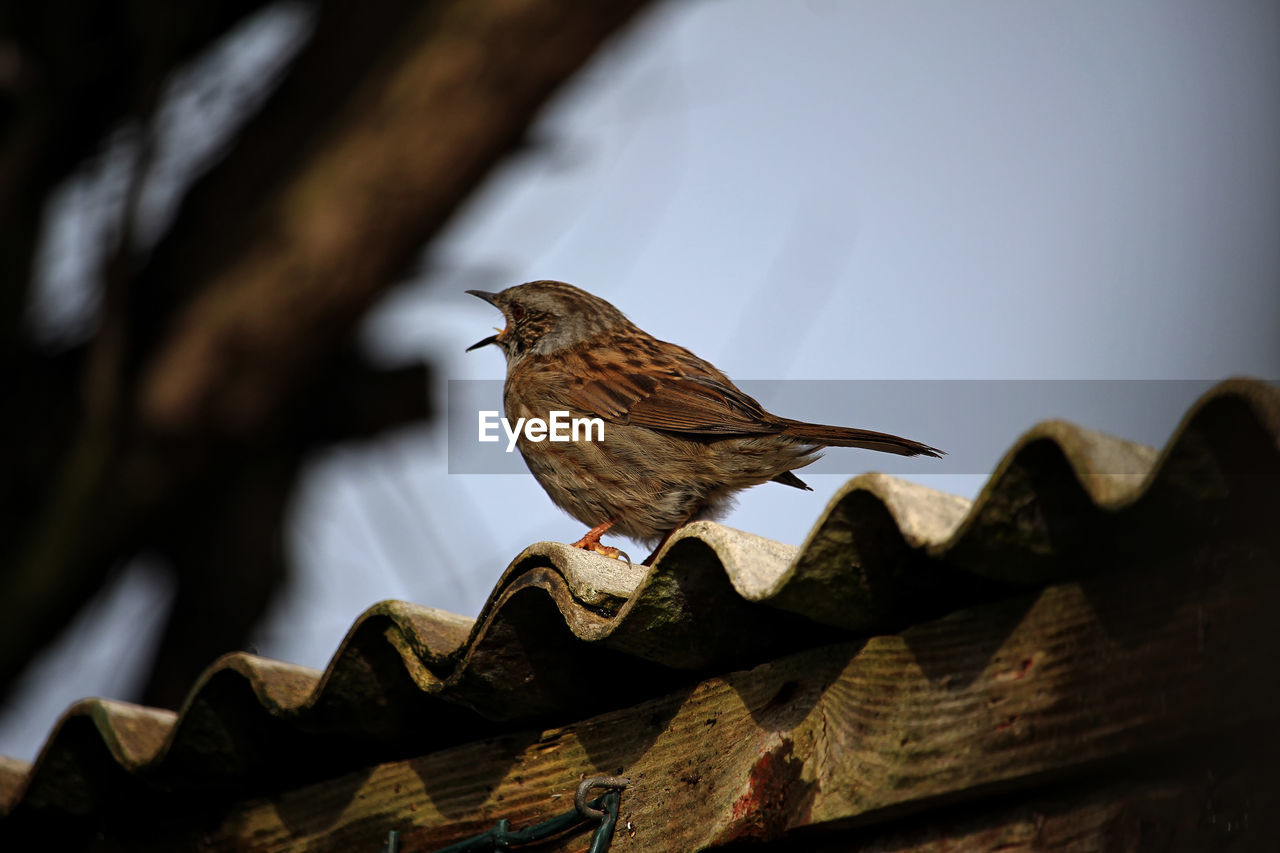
(223, 359)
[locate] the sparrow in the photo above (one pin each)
(679, 438)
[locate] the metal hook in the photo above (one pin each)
(616, 783)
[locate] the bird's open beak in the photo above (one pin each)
(491, 298)
(492, 339)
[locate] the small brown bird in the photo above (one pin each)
(679, 438)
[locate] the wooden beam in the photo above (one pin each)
(1211, 801)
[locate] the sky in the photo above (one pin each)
(895, 196)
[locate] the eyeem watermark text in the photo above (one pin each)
(560, 427)
(975, 421)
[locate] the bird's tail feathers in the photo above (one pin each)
(837, 436)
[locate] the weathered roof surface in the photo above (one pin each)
(884, 555)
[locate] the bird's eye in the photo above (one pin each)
(517, 313)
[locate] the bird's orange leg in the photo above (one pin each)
(666, 537)
(591, 542)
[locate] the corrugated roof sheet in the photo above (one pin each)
(885, 554)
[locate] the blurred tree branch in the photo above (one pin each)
(227, 354)
(72, 69)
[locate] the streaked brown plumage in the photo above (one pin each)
(679, 439)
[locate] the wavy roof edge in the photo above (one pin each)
(776, 596)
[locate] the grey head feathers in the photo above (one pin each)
(544, 317)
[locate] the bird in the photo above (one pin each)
(678, 438)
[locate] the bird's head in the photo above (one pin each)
(545, 317)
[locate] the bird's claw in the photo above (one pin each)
(591, 542)
(614, 553)
(587, 544)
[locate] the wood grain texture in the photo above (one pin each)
(1058, 685)
(1206, 799)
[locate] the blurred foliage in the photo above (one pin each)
(221, 353)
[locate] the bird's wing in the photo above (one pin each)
(674, 401)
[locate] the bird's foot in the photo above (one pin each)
(606, 550)
(591, 542)
(666, 537)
